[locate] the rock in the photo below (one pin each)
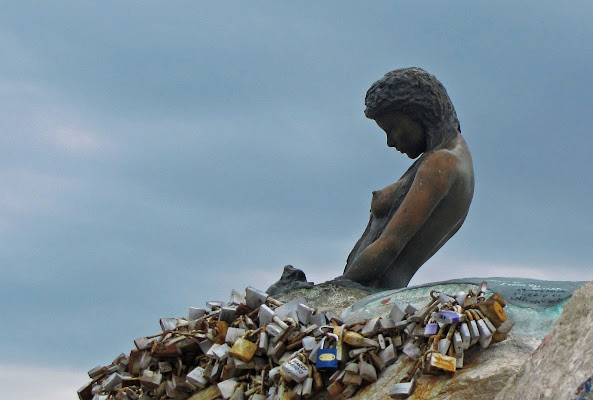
(532, 304)
(563, 363)
(327, 295)
(484, 373)
(292, 278)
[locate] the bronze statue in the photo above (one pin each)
(412, 218)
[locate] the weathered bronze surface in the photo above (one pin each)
(412, 218)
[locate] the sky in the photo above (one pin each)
(156, 155)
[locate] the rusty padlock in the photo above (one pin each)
(445, 343)
(438, 362)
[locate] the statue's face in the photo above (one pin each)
(403, 133)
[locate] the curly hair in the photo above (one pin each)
(419, 95)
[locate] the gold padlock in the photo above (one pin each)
(357, 340)
(243, 350)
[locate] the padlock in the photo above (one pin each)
(327, 358)
(445, 343)
(308, 385)
(221, 352)
(262, 343)
(266, 315)
(485, 334)
(358, 351)
(460, 298)
(440, 362)
(357, 340)
(307, 389)
(381, 340)
(458, 344)
(308, 343)
(313, 352)
(351, 367)
(410, 310)
(227, 387)
(386, 325)
(431, 328)
(447, 317)
(410, 349)
(366, 370)
(283, 392)
(445, 298)
(465, 335)
(403, 390)
(470, 300)
(486, 320)
(498, 298)
(285, 333)
(473, 328)
(493, 310)
(229, 371)
(212, 371)
(254, 297)
(397, 341)
(483, 287)
(295, 369)
(243, 350)
(227, 314)
(341, 346)
(232, 334)
(196, 378)
(421, 314)
(337, 375)
(335, 389)
(409, 330)
(352, 379)
(238, 394)
(371, 327)
(296, 392)
(377, 361)
(276, 352)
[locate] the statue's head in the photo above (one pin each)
(419, 95)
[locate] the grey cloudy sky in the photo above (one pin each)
(155, 155)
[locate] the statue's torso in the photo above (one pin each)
(440, 225)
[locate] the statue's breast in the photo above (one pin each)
(385, 199)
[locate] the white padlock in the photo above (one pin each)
(295, 369)
(465, 335)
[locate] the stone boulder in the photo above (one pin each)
(562, 365)
(532, 304)
(292, 278)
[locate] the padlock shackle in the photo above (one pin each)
(321, 328)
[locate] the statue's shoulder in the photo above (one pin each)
(441, 162)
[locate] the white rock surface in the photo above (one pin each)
(563, 360)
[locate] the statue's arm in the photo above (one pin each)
(431, 184)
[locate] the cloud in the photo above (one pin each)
(73, 139)
(40, 382)
(27, 192)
